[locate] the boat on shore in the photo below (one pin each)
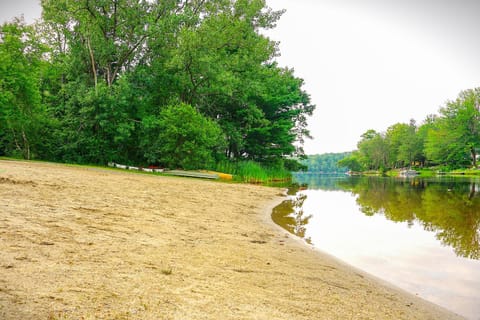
(407, 173)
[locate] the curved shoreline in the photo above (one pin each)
(96, 244)
(437, 311)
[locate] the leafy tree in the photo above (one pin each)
(23, 117)
(99, 90)
(421, 138)
(456, 136)
(229, 77)
(104, 39)
(327, 162)
(181, 137)
(353, 162)
(404, 146)
(373, 150)
(395, 137)
(285, 107)
(98, 124)
(451, 138)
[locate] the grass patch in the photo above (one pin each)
(253, 172)
(466, 172)
(425, 172)
(167, 271)
(242, 171)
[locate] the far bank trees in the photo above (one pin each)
(451, 139)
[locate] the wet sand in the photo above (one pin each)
(83, 243)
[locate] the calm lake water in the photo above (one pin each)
(422, 235)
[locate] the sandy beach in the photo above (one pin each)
(85, 243)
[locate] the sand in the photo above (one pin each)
(85, 243)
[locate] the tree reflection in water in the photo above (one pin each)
(290, 216)
(450, 208)
(364, 221)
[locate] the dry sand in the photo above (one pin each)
(80, 243)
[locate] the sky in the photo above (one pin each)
(367, 64)
(30, 9)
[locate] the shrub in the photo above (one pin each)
(181, 137)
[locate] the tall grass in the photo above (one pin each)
(253, 172)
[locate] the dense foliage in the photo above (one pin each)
(325, 163)
(174, 83)
(450, 139)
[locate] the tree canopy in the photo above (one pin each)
(450, 139)
(329, 163)
(126, 81)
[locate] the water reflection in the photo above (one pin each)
(449, 208)
(291, 216)
(419, 234)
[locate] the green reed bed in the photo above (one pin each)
(466, 172)
(253, 172)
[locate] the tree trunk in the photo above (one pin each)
(26, 146)
(472, 191)
(92, 60)
(474, 157)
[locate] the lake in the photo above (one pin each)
(420, 234)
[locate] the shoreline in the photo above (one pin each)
(439, 311)
(80, 242)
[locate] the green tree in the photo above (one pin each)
(456, 136)
(230, 77)
(99, 91)
(285, 107)
(404, 146)
(98, 124)
(23, 117)
(396, 136)
(327, 162)
(104, 39)
(373, 150)
(181, 137)
(422, 135)
(353, 162)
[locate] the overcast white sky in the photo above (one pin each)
(367, 64)
(14, 8)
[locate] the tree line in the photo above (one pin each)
(449, 140)
(174, 83)
(325, 163)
